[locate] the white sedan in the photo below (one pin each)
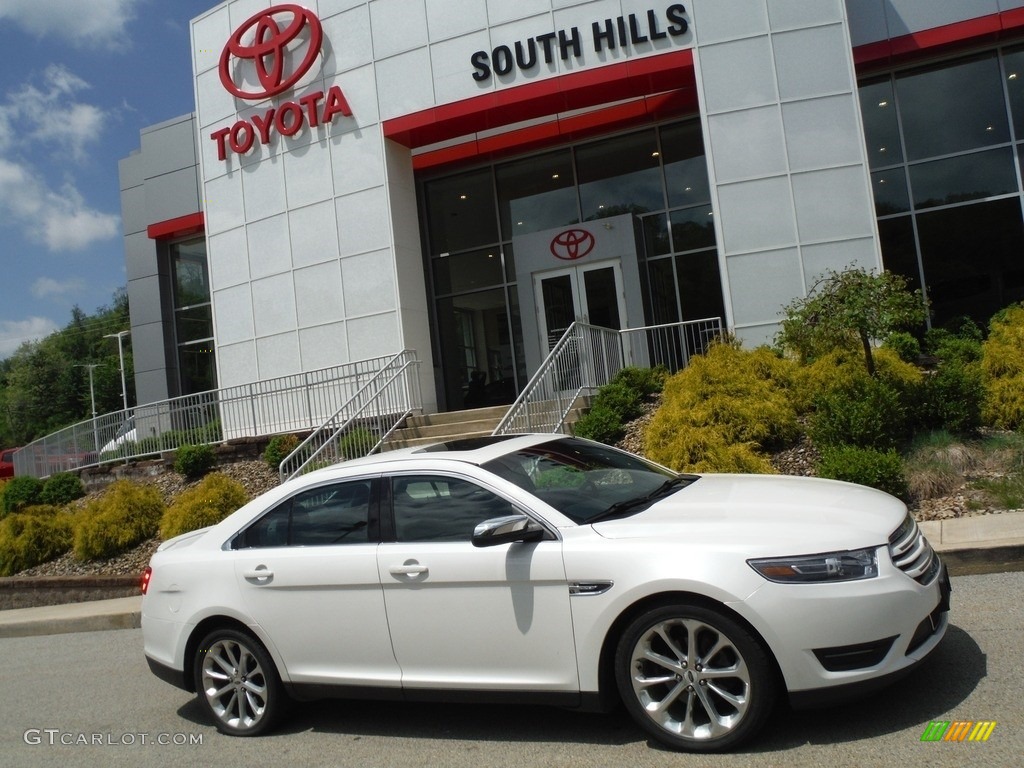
(546, 569)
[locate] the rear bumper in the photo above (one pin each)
(169, 675)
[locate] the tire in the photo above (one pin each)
(693, 678)
(237, 683)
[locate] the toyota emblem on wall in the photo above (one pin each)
(266, 41)
(572, 244)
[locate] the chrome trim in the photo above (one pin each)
(586, 588)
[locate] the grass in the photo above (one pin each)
(991, 467)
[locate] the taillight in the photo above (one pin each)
(146, 576)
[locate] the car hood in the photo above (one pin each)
(767, 513)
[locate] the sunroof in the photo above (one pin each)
(466, 444)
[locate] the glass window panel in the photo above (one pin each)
(191, 280)
(664, 307)
(602, 298)
(890, 191)
(619, 176)
(952, 108)
(973, 259)
(460, 212)
(1014, 65)
(330, 515)
(197, 370)
(536, 194)
(881, 127)
(476, 349)
(899, 250)
(517, 339)
(686, 170)
(467, 271)
(509, 256)
(559, 306)
(656, 240)
(692, 228)
(967, 177)
(441, 508)
(700, 285)
(194, 323)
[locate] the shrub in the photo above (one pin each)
(21, 492)
(870, 414)
(216, 497)
(866, 466)
(905, 345)
(124, 516)
(35, 535)
(61, 489)
(600, 423)
(194, 461)
(953, 397)
(644, 381)
(1002, 366)
(619, 402)
(720, 411)
(278, 449)
(356, 443)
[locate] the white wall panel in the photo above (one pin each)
(360, 89)
(307, 174)
(274, 305)
(397, 26)
(269, 246)
(757, 215)
(405, 83)
(328, 8)
(819, 259)
(833, 204)
(322, 346)
(822, 132)
(349, 44)
(363, 222)
(453, 18)
(279, 356)
(738, 75)
(718, 20)
(233, 310)
(236, 364)
(748, 143)
(263, 186)
(229, 258)
(209, 35)
(373, 336)
(214, 104)
(501, 11)
(356, 161)
(449, 61)
(807, 64)
(314, 233)
(319, 297)
(793, 14)
(750, 275)
(224, 203)
(368, 283)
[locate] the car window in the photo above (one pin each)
(439, 508)
(322, 516)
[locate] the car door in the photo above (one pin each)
(494, 618)
(307, 571)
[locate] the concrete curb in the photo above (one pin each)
(96, 615)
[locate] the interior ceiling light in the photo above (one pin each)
(883, 103)
(462, 197)
(1012, 76)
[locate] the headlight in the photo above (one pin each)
(816, 569)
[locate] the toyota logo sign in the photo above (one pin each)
(572, 244)
(264, 40)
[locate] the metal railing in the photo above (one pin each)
(587, 357)
(295, 403)
(364, 422)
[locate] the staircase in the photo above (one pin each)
(440, 427)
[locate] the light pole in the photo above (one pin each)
(120, 355)
(92, 402)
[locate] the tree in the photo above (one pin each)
(851, 306)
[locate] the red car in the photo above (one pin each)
(7, 463)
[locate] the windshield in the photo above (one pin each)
(585, 481)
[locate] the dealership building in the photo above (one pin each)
(464, 178)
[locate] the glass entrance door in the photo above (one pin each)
(592, 294)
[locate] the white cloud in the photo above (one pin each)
(90, 24)
(47, 286)
(14, 333)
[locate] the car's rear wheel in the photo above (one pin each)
(693, 678)
(237, 683)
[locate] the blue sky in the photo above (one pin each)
(80, 79)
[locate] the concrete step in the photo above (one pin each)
(449, 429)
(408, 442)
(494, 413)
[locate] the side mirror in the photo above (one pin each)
(507, 530)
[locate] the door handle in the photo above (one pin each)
(261, 574)
(409, 569)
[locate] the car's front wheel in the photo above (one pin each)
(694, 678)
(237, 683)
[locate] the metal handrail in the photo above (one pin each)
(594, 355)
(295, 403)
(364, 422)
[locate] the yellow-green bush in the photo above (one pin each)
(124, 516)
(32, 536)
(1002, 365)
(842, 370)
(216, 497)
(718, 412)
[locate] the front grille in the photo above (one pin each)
(912, 554)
